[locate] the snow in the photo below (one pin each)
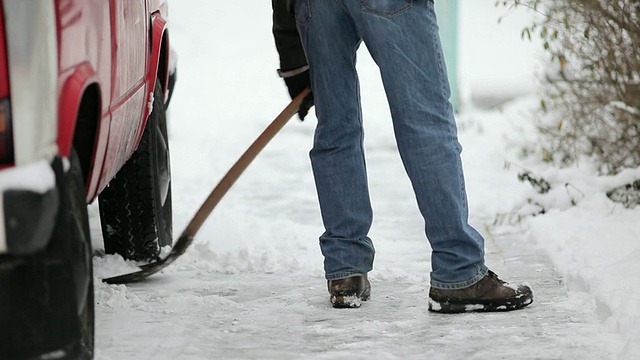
(59, 354)
(252, 284)
(150, 103)
(351, 301)
(37, 177)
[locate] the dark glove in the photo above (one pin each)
(296, 84)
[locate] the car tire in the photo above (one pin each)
(171, 84)
(47, 301)
(135, 208)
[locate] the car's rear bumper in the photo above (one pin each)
(28, 207)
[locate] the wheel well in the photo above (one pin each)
(87, 128)
(163, 66)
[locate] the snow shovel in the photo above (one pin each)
(186, 238)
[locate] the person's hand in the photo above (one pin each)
(296, 84)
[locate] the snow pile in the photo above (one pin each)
(592, 240)
(596, 245)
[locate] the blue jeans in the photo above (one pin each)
(402, 37)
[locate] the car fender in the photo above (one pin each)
(70, 97)
(158, 28)
(71, 94)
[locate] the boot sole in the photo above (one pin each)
(451, 306)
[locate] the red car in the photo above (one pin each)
(84, 85)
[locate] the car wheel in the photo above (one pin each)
(47, 301)
(171, 84)
(135, 209)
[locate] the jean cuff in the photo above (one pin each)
(482, 272)
(342, 275)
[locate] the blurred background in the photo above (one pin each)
(495, 64)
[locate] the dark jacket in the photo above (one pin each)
(286, 36)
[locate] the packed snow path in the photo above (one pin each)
(252, 285)
(196, 314)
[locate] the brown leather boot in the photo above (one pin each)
(347, 293)
(489, 294)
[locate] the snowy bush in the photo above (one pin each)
(591, 100)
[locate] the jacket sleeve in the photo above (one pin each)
(286, 37)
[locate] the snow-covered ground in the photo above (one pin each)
(252, 285)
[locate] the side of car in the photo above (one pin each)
(83, 89)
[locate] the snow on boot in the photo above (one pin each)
(349, 292)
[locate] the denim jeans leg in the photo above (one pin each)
(330, 41)
(402, 37)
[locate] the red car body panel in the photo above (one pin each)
(4, 76)
(114, 45)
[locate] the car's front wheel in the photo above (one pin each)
(135, 209)
(46, 299)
